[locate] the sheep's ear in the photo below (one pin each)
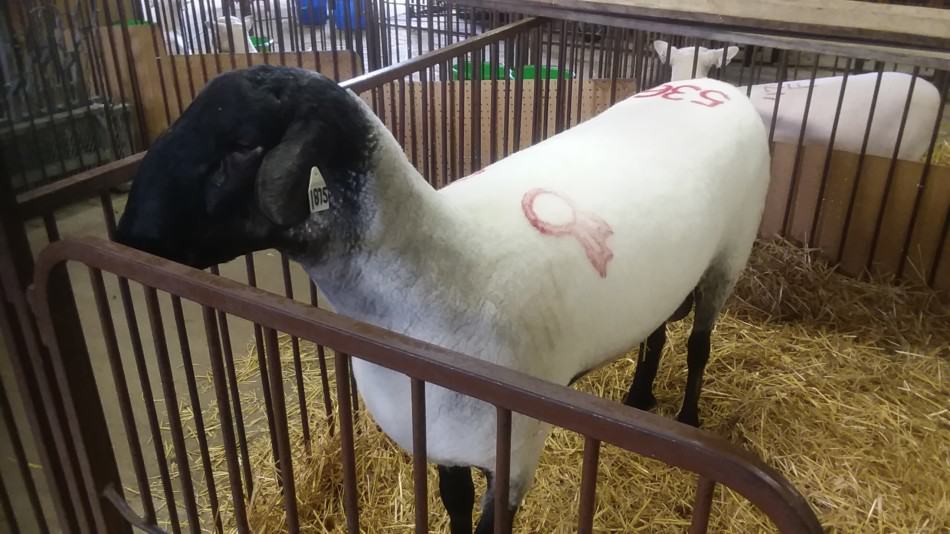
(284, 174)
(717, 55)
(663, 49)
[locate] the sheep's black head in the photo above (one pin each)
(230, 176)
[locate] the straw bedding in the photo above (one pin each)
(840, 384)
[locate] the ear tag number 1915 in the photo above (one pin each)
(317, 192)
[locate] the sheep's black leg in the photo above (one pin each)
(697, 356)
(709, 297)
(458, 496)
(486, 522)
(641, 390)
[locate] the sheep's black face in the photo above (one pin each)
(230, 175)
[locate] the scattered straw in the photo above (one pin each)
(840, 384)
(941, 155)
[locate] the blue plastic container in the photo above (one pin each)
(313, 12)
(346, 11)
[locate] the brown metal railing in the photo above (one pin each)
(715, 460)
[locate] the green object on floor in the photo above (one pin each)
(529, 72)
(262, 44)
(469, 68)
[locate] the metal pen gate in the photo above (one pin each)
(97, 486)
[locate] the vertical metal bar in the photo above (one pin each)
(476, 131)
(702, 505)
(547, 79)
(924, 178)
(174, 70)
(52, 230)
(510, 46)
(493, 61)
(172, 408)
(538, 89)
(502, 469)
(347, 449)
(7, 507)
(283, 437)
(419, 464)
(521, 51)
(859, 171)
(559, 87)
(778, 98)
(236, 401)
(200, 432)
(893, 168)
(157, 441)
(459, 107)
(941, 248)
(22, 462)
(224, 413)
(816, 218)
(298, 367)
(574, 62)
(334, 48)
(262, 361)
(324, 375)
(585, 524)
(81, 402)
(281, 48)
(40, 396)
(799, 149)
(122, 392)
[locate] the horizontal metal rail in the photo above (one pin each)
(712, 457)
(860, 22)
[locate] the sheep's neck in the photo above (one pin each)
(411, 270)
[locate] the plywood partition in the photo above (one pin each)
(443, 113)
(166, 84)
(862, 213)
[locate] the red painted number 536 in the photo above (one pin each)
(696, 94)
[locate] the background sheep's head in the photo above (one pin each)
(681, 59)
(230, 176)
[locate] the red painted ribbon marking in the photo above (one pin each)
(587, 228)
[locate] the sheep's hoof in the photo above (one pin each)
(645, 402)
(691, 418)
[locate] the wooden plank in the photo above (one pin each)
(925, 239)
(867, 201)
(942, 278)
(596, 98)
(895, 217)
(895, 25)
(806, 200)
(783, 160)
(179, 78)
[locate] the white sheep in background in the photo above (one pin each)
(681, 59)
(855, 107)
(184, 36)
(239, 33)
(553, 261)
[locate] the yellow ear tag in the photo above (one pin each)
(317, 192)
